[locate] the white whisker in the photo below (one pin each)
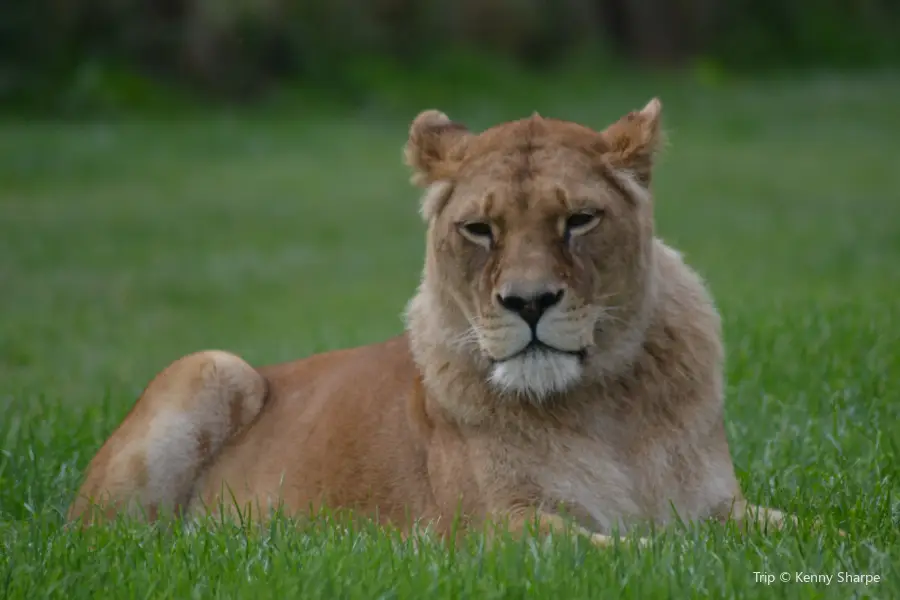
(465, 340)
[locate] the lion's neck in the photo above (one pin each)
(456, 376)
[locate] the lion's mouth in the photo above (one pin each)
(537, 348)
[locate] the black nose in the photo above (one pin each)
(530, 308)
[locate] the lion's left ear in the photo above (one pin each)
(435, 148)
(632, 142)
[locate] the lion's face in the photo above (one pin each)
(539, 236)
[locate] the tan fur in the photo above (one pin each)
(448, 420)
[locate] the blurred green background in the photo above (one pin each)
(89, 54)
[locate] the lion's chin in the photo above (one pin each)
(536, 374)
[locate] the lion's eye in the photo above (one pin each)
(581, 222)
(477, 231)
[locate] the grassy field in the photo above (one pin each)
(126, 244)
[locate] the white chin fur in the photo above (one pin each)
(536, 374)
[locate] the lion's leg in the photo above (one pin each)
(766, 516)
(771, 517)
(743, 512)
(518, 522)
(176, 428)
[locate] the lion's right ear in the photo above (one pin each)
(435, 148)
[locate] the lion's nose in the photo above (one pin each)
(531, 307)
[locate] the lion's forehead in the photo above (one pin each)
(539, 166)
(528, 172)
(519, 161)
(499, 191)
(532, 132)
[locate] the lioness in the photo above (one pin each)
(558, 360)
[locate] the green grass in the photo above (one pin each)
(126, 244)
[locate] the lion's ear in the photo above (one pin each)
(435, 147)
(632, 142)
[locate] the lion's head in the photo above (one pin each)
(539, 264)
